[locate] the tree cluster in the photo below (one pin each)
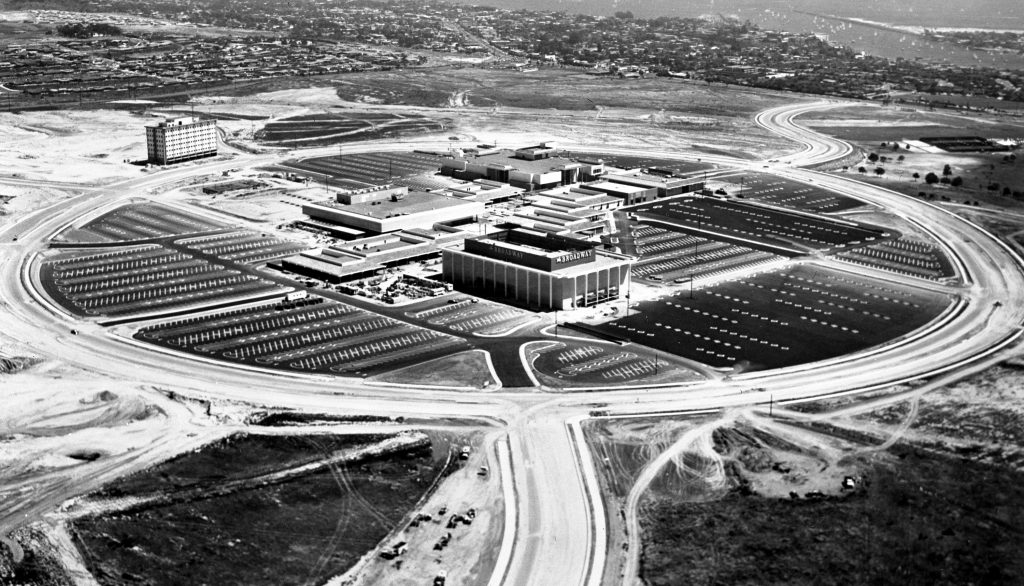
(79, 30)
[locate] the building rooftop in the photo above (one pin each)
(415, 202)
(647, 180)
(508, 158)
(618, 188)
(176, 122)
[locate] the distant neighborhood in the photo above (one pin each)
(129, 49)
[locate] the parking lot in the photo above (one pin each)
(139, 222)
(360, 170)
(776, 319)
(573, 362)
(244, 246)
(332, 127)
(142, 279)
(307, 335)
(667, 254)
(481, 318)
(903, 256)
(776, 191)
(757, 224)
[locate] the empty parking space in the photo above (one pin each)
(588, 364)
(142, 221)
(314, 334)
(481, 318)
(244, 246)
(359, 170)
(759, 224)
(667, 254)
(774, 190)
(334, 127)
(777, 319)
(143, 279)
(904, 256)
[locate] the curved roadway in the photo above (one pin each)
(559, 532)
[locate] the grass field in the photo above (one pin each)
(873, 124)
(869, 126)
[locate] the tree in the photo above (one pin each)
(947, 170)
(873, 157)
(916, 176)
(1006, 191)
(944, 181)
(931, 178)
(861, 170)
(883, 160)
(879, 171)
(957, 181)
(900, 159)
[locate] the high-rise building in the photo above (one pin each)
(536, 269)
(181, 139)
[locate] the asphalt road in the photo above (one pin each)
(560, 538)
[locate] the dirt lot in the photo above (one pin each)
(917, 518)
(562, 89)
(312, 526)
(48, 146)
(980, 418)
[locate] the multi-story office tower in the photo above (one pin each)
(181, 139)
